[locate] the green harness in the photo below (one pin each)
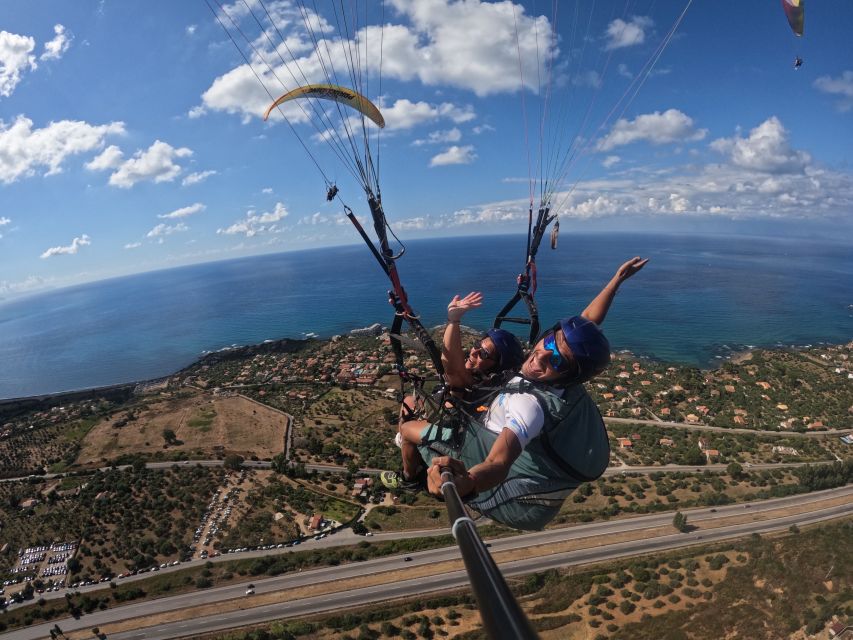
(571, 449)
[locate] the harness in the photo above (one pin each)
(526, 280)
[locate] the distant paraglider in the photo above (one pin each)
(795, 12)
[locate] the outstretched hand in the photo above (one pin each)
(628, 269)
(458, 307)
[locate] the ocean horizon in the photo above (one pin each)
(700, 299)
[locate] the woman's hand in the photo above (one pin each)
(628, 269)
(458, 307)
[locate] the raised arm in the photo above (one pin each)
(452, 355)
(597, 309)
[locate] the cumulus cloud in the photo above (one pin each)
(658, 128)
(470, 45)
(4, 221)
(765, 150)
(621, 34)
(56, 48)
(70, 249)
(841, 86)
(163, 229)
(197, 177)
(109, 158)
(30, 283)
(183, 212)
(454, 155)
(190, 30)
(15, 58)
(440, 137)
(257, 223)
(405, 114)
(156, 164)
(609, 161)
(23, 149)
(133, 245)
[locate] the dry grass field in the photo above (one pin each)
(200, 422)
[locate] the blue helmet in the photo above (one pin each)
(590, 348)
(510, 351)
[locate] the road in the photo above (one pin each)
(698, 426)
(397, 587)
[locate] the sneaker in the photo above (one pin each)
(395, 481)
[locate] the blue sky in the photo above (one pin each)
(131, 136)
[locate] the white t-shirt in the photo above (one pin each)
(521, 413)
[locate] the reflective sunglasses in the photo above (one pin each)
(485, 354)
(559, 363)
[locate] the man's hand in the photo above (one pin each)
(458, 307)
(461, 478)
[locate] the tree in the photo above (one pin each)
(734, 470)
(233, 461)
(680, 522)
(169, 436)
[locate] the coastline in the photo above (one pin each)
(285, 345)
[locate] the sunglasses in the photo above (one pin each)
(559, 363)
(485, 354)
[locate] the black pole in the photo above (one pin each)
(502, 616)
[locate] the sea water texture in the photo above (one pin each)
(697, 299)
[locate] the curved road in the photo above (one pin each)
(405, 588)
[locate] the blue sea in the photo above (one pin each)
(697, 300)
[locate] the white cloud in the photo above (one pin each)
(766, 150)
(609, 161)
(30, 283)
(183, 212)
(163, 229)
(197, 177)
(254, 223)
(841, 86)
(621, 34)
(482, 128)
(440, 137)
(133, 245)
(405, 114)
(658, 128)
(191, 29)
(470, 45)
(157, 163)
(4, 221)
(56, 48)
(454, 155)
(24, 149)
(109, 158)
(266, 190)
(315, 219)
(15, 58)
(70, 249)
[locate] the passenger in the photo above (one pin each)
(542, 434)
(497, 351)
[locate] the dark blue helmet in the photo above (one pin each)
(510, 351)
(590, 348)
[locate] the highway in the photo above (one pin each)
(399, 587)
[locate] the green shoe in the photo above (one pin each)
(395, 481)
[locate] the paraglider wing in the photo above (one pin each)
(335, 93)
(795, 12)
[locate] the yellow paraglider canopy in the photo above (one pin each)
(335, 93)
